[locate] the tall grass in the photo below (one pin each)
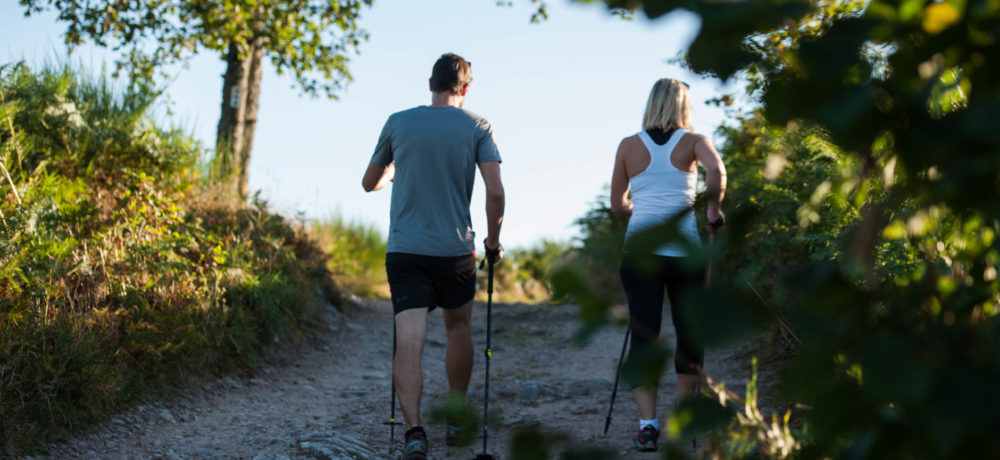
(523, 275)
(356, 253)
(119, 275)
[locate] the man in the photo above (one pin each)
(431, 153)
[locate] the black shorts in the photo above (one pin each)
(419, 281)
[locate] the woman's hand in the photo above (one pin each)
(716, 219)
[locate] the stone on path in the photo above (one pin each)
(334, 446)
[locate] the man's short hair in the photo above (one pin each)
(450, 74)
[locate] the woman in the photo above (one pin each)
(658, 165)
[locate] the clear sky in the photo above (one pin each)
(560, 96)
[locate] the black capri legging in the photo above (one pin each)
(644, 289)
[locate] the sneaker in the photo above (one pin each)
(645, 441)
(416, 444)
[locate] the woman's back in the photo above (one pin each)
(661, 188)
(662, 179)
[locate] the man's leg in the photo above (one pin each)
(407, 373)
(459, 354)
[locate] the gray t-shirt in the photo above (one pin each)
(436, 150)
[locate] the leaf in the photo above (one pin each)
(645, 365)
(693, 417)
(892, 373)
(939, 16)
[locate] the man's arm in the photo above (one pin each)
(495, 199)
(377, 176)
(715, 176)
(620, 204)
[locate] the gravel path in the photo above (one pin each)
(328, 398)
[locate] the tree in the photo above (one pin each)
(311, 39)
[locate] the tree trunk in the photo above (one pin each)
(254, 77)
(232, 120)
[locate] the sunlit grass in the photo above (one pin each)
(121, 273)
(356, 253)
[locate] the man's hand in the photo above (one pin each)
(494, 251)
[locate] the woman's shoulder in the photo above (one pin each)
(630, 142)
(693, 139)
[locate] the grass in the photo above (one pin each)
(357, 255)
(523, 275)
(120, 274)
(357, 259)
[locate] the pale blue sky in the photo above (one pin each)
(560, 95)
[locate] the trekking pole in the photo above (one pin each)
(392, 401)
(490, 258)
(786, 331)
(618, 373)
(714, 226)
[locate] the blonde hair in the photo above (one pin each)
(669, 106)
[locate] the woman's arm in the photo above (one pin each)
(620, 204)
(715, 176)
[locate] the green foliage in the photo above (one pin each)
(312, 40)
(73, 125)
(357, 255)
(734, 427)
(118, 274)
(862, 204)
(780, 189)
(524, 274)
(594, 261)
(458, 412)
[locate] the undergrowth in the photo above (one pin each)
(357, 255)
(120, 275)
(357, 260)
(523, 274)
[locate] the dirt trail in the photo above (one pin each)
(329, 398)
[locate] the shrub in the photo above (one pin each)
(118, 277)
(356, 253)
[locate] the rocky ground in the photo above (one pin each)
(329, 397)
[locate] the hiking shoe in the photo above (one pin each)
(416, 444)
(645, 441)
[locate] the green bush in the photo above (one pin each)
(881, 330)
(524, 273)
(357, 259)
(119, 274)
(357, 255)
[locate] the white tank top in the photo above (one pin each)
(660, 192)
